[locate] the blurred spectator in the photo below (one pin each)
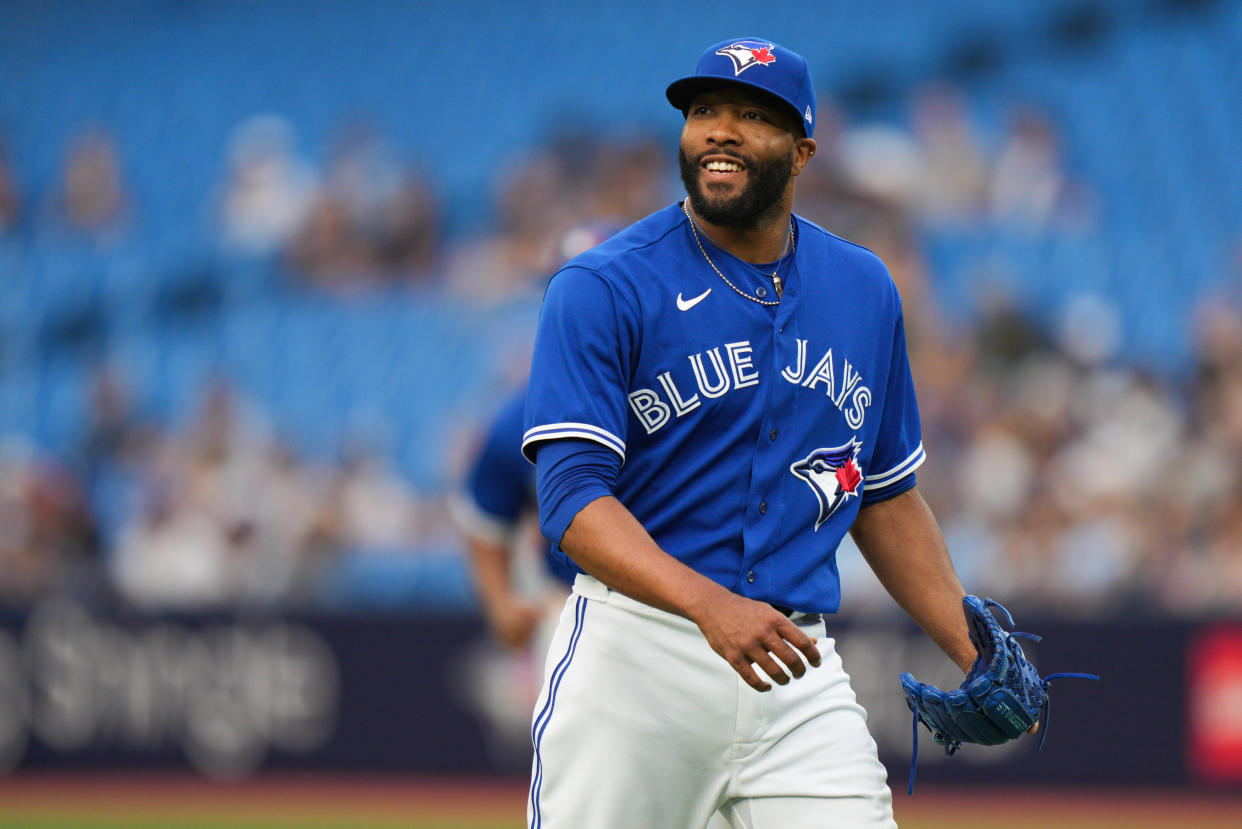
(629, 180)
(326, 251)
(533, 211)
(373, 221)
(303, 525)
(267, 191)
(952, 186)
(229, 475)
(113, 452)
(226, 516)
(111, 419)
(47, 540)
(882, 161)
(1029, 185)
(364, 173)
(10, 198)
(92, 197)
(172, 556)
(579, 180)
(230, 516)
(832, 193)
(1218, 372)
(379, 511)
(406, 231)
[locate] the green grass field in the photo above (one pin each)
(86, 822)
(166, 802)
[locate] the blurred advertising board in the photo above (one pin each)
(232, 695)
(1214, 704)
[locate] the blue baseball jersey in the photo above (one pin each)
(500, 487)
(749, 433)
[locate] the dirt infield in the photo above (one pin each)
(1065, 808)
(277, 801)
(120, 801)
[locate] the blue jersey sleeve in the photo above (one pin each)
(899, 446)
(501, 484)
(580, 369)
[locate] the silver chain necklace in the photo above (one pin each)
(790, 244)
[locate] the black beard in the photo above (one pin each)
(748, 210)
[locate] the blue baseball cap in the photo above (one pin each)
(756, 63)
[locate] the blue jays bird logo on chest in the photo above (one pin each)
(833, 475)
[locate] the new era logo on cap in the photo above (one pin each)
(757, 63)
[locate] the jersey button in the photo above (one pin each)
(763, 507)
(772, 434)
(750, 577)
(761, 292)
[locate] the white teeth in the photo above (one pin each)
(724, 166)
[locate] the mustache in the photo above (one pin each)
(698, 160)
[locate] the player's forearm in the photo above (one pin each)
(902, 543)
(607, 541)
(490, 568)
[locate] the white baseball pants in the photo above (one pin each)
(641, 725)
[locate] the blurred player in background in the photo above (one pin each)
(519, 586)
(518, 580)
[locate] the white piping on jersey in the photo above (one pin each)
(898, 472)
(553, 431)
(475, 522)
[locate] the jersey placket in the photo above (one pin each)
(764, 506)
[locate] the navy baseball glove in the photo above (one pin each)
(1001, 698)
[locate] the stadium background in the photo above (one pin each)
(269, 267)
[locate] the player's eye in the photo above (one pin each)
(702, 109)
(755, 115)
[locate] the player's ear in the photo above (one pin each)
(804, 148)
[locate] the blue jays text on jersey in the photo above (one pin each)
(654, 410)
(750, 431)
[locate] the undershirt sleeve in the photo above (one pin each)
(569, 474)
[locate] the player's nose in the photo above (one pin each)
(724, 130)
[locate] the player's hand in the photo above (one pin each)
(747, 633)
(513, 621)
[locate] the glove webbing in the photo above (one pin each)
(951, 746)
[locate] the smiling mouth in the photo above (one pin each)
(717, 166)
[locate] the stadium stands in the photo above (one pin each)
(1141, 98)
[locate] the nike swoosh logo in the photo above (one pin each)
(687, 304)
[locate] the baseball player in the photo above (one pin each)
(499, 493)
(719, 393)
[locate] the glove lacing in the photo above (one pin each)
(951, 746)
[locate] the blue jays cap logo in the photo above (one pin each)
(748, 53)
(833, 475)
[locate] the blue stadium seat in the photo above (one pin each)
(429, 74)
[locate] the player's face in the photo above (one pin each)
(739, 152)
